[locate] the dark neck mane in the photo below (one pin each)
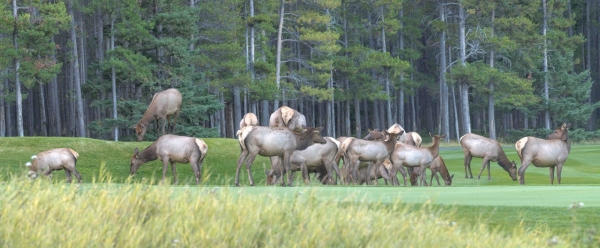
(148, 154)
(303, 139)
(503, 161)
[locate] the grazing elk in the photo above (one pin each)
(172, 149)
(410, 156)
(310, 159)
(56, 159)
(164, 104)
(437, 166)
(474, 145)
(358, 150)
(545, 153)
(270, 142)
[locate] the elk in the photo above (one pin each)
(474, 145)
(55, 159)
(549, 153)
(410, 156)
(164, 104)
(358, 150)
(410, 138)
(172, 149)
(437, 166)
(269, 142)
(287, 117)
(249, 119)
(364, 175)
(309, 159)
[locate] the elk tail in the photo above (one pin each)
(520, 145)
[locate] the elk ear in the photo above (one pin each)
(452, 176)
(136, 151)
(298, 130)
(443, 136)
(134, 126)
(430, 134)
(568, 126)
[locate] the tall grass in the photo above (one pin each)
(42, 214)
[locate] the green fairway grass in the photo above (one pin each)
(500, 202)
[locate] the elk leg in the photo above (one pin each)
(423, 174)
(239, 166)
(196, 171)
(558, 171)
(551, 169)
(433, 173)
(73, 171)
(68, 175)
(249, 161)
(174, 170)
(485, 163)
(468, 165)
(48, 174)
(524, 165)
(304, 173)
(286, 163)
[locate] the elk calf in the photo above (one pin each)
(56, 159)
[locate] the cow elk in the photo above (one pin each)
(438, 166)
(410, 156)
(316, 158)
(550, 153)
(172, 149)
(270, 142)
(359, 150)
(56, 159)
(164, 104)
(474, 145)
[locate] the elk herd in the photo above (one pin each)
(292, 146)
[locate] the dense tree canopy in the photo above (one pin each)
(433, 66)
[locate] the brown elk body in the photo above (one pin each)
(172, 149)
(410, 156)
(164, 104)
(318, 158)
(437, 166)
(270, 142)
(549, 153)
(477, 146)
(55, 159)
(358, 150)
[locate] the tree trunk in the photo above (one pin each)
(113, 79)
(2, 113)
(54, 120)
(357, 118)
(43, 120)
(19, 98)
(237, 108)
(546, 79)
(279, 44)
(491, 110)
(464, 86)
(77, 76)
(445, 124)
(8, 112)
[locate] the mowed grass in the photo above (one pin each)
(500, 203)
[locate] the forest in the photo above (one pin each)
(89, 68)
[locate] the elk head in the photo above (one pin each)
(136, 162)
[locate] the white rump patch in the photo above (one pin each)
(520, 144)
(203, 146)
(396, 128)
(242, 133)
(337, 143)
(74, 153)
(287, 114)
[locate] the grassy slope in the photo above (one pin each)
(534, 206)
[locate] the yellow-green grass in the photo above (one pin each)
(40, 214)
